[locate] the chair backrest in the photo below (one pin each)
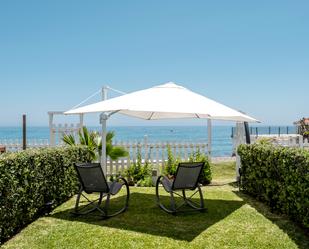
(91, 177)
(187, 175)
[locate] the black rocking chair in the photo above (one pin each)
(186, 178)
(93, 180)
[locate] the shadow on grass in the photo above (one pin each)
(297, 233)
(145, 216)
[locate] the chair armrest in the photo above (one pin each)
(123, 179)
(166, 182)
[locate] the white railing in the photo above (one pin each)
(57, 132)
(292, 140)
(287, 140)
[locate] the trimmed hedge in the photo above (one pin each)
(31, 178)
(278, 176)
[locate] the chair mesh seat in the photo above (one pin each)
(114, 187)
(167, 184)
(186, 179)
(187, 176)
(93, 180)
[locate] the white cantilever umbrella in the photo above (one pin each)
(161, 102)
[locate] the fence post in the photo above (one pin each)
(81, 121)
(24, 132)
(146, 147)
(51, 129)
(301, 141)
(240, 139)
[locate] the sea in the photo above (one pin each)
(221, 135)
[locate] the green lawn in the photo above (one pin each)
(233, 220)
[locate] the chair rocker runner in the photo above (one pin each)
(186, 179)
(92, 180)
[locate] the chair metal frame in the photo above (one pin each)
(172, 190)
(102, 194)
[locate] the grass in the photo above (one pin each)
(233, 220)
(223, 172)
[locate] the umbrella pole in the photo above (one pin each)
(240, 139)
(103, 119)
(209, 138)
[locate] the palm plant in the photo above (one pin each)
(93, 141)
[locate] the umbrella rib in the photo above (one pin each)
(111, 113)
(151, 115)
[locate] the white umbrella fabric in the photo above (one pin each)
(167, 101)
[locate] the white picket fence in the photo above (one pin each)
(17, 144)
(154, 153)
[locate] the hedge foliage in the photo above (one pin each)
(278, 176)
(31, 178)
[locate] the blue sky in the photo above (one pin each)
(249, 55)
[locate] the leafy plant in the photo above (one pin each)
(172, 162)
(93, 141)
(114, 177)
(138, 171)
(306, 134)
(146, 182)
(205, 177)
(264, 141)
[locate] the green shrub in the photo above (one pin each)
(31, 178)
(138, 171)
(172, 162)
(278, 176)
(146, 182)
(205, 177)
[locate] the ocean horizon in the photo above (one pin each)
(221, 135)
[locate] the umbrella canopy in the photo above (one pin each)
(165, 102)
(162, 102)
